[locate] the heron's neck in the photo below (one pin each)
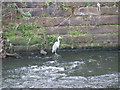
(58, 40)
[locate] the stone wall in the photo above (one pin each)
(101, 27)
(2, 52)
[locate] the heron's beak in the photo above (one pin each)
(61, 37)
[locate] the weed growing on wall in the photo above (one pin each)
(29, 34)
(76, 33)
(63, 7)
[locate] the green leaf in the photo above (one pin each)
(25, 18)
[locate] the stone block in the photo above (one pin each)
(86, 11)
(94, 11)
(49, 11)
(111, 38)
(94, 20)
(78, 39)
(103, 29)
(62, 30)
(109, 11)
(52, 21)
(25, 48)
(65, 21)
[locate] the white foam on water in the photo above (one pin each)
(34, 66)
(75, 64)
(52, 68)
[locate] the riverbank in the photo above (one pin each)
(81, 25)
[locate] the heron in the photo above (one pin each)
(56, 45)
(98, 5)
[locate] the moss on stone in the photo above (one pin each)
(76, 33)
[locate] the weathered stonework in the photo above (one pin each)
(73, 21)
(101, 27)
(104, 29)
(2, 51)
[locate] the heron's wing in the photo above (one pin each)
(55, 46)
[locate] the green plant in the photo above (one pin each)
(26, 27)
(22, 30)
(28, 13)
(104, 42)
(25, 35)
(88, 25)
(10, 26)
(63, 7)
(35, 40)
(94, 37)
(76, 33)
(51, 38)
(42, 30)
(25, 14)
(18, 16)
(87, 3)
(18, 40)
(114, 4)
(11, 5)
(47, 3)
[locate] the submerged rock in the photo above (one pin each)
(57, 57)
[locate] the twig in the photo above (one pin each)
(62, 22)
(28, 42)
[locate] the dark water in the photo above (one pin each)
(72, 69)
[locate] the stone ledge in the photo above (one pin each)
(94, 11)
(87, 29)
(78, 46)
(76, 21)
(25, 48)
(92, 38)
(56, 11)
(68, 4)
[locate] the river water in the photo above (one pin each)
(69, 69)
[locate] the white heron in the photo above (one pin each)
(56, 45)
(98, 5)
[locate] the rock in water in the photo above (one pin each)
(56, 57)
(43, 52)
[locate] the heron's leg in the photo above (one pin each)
(99, 8)
(55, 52)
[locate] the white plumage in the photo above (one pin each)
(56, 45)
(98, 5)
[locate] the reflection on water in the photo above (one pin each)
(74, 69)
